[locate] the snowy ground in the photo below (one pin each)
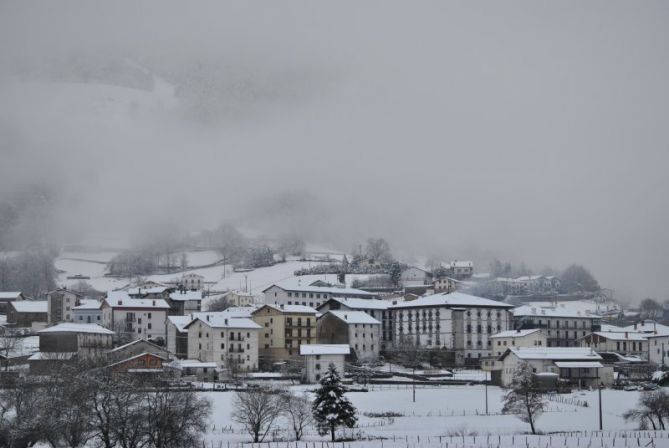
(440, 411)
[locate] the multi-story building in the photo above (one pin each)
(376, 308)
(230, 342)
(192, 281)
(283, 330)
(240, 298)
(356, 329)
(414, 276)
(625, 343)
(658, 340)
(534, 337)
(564, 326)
(444, 284)
(461, 269)
(134, 318)
(6, 297)
(455, 322)
(183, 302)
(309, 292)
(60, 304)
(88, 312)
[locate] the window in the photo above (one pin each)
(149, 316)
(149, 326)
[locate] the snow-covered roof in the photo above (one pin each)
(563, 353)
(527, 310)
(136, 341)
(31, 306)
(515, 333)
(617, 336)
(354, 317)
(221, 320)
(186, 295)
(605, 328)
(305, 285)
(118, 301)
(88, 305)
(71, 327)
(453, 299)
(153, 290)
(579, 364)
(325, 349)
(180, 321)
(355, 303)
(192, 364)
(461, 264)
(52, 356)
(292, 309)
(10, 295)
(648, 326)
(137, 356)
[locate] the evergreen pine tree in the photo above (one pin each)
(331, 408)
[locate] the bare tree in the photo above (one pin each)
(257, 410)
(524, 399)
(297, 409)
(9, 343)
(653, 408)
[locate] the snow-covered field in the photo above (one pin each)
(443, 411)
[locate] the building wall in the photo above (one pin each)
(277, 296)
(657, 347)
(88, 316)
(317, 365)
(60, 306)
(433, 327)
(282, 333)
(228, 347)
(536, 339)
(511, 363)
(560, 331)
(138, 323)
(601, 344)
(25, 319)
(176, 341)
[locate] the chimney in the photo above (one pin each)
(226, 321)
(635, 325)
(120, 302)
(154, 303)
(207, 317)
(626, 335)
(518, 330)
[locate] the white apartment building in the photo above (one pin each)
(137, 318)
(564, 326)
(455, 321)
(534, 337)
(309, 292)
(230, 342)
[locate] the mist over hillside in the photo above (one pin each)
(536, 135)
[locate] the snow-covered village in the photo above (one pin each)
(334, 224)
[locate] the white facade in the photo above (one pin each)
(138, 318)
(625, 343)
(239, 298)
(517, 338)
(313, 294)
(564, 326)
(88, 312)
(192, 281)
(454, 321)
(231, 343)
(413, 276)
(318, 357)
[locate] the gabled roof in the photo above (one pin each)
(559, 311)
(453, 299)
(136, 341)
(221, 320)
(353, 317)
(10, 295)
(31, 306)
(180, 322)
(182, 296)
(616, 336)
(355, 303)
(325, 349)
(72, 327)
(138, 356)
(289, 309)
(119, 301)
(88, 305)
(554, 353)
(515, 333)
(304, 285)
(648, 326)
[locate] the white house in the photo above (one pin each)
(230, 342)
(357, 329)
(461, 269)
(658, 340)
(580, 366)
(444, 284)
(192, 281)
(88, 312)
(318, 357)
(307, 292)
(626, 343)
(564, 325)
(136, 318)
(534, 337)
(414, 276)
(240, 298)
(183, 302)
(456, 321)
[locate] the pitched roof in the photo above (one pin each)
(180, 322)
(354, 317)
(527, 310)
(453, 299)
(71, 327)
(648, 326)
(617, 336)
(88, 305)
(290, 309)
(355, 303)
(554, 353)
(31, 306)
(180, 296)
(136, 341)
(325, 349)
(9, 295)
(221, 320)
(515, 333)
(137, 356)
(119, 301)
(304, 285)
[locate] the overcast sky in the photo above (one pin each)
(531, 131)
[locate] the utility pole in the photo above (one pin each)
(414, 383)
(486, 393)
(599, 389)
